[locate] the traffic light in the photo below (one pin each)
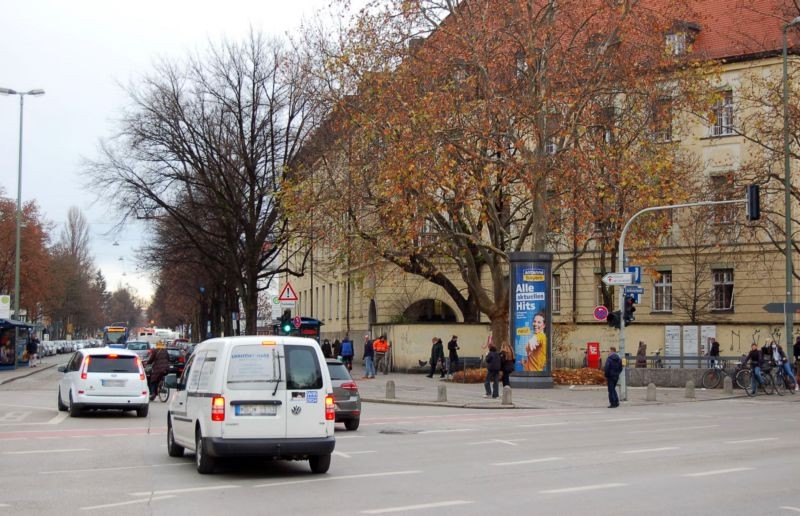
(613, 319)
(286, 321)
(630, 307)
(753, 203)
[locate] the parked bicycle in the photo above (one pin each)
(740, 375)
(657, 362)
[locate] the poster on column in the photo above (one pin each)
(530, 324)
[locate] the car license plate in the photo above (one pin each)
(256, 410)
(112, 383)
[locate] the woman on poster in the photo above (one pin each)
(536, 349)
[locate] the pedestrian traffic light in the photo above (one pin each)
(286, 321)
(630, 307)
(613, 319)
(753, 202)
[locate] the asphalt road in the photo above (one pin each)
(727, 457)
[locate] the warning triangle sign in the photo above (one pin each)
(287, 293)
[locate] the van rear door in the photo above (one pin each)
(305, 392)
(255, 394)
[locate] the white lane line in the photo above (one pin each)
(4, 505)
(120, 504)
(759, 440)
(624, 419)
(12, 438)
(672, 429)
(61, 416)
(509, 442)
(450, 431)
(46, 438)
(581, 488)
(790, 508)
(716, 472)
(361, 452)
(342, 477)
(341, 454)
(652, 450)
(419, 507)
(541, 425)
(531, 461)
(120, 468)
(185, 490)
(349, 437)
(30, 452)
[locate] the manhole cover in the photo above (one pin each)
(398, 431)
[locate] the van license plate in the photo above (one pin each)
(256, 410)
(112, 383)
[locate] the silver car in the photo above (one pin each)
(345, 395)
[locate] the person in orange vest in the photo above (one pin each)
(381, 347)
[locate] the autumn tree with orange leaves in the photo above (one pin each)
(461, 132)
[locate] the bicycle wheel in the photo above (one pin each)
(779, 383)
(743, 379)
(769, 386)
(163, 391)
(711, 378)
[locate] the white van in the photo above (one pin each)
(254, 396)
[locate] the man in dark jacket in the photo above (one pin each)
(326, 348)
(437, 356)
(452, 355)
(369, 355)
(611, 371)
(714, 351)
(756, 360)
(493, 365)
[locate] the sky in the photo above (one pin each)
(83, 53)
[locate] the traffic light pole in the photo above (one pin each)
(623, 383)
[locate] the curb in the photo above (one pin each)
(37, 369)
(448, 404)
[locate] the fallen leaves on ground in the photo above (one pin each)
(584, 376)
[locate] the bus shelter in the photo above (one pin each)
(13, 336)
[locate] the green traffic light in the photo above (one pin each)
(287, 328)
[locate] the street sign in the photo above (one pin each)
(634, 291)
(297, 321)
(287, 293)
(600, 312)
(777, 308)
(618, 278)
(636, 270)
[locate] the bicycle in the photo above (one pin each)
(657, 363)
(766, 384)
(162, 391)
(782, 383)
(715, 374)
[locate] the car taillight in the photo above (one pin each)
(218, 408)
(181, 359)
(141, 368)
(85, 367)
(350, 386)
(330, 410)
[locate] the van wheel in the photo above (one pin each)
(142, 411)
(205, 463)
(173, 449)
(352, 424)
(74, 410)
(61, 406)
(320, 463)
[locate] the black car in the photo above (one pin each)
(177, 361)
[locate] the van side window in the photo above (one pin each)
(194, 375)
(207, 371)
(302, 368)
(187, 370)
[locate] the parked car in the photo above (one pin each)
(103, 378)
(345, 394)
(141, 348)
(263, 396)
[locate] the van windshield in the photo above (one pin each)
(252, 366)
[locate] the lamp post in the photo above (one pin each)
(787, 197)
(35, 93)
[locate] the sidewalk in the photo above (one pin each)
(9, 375)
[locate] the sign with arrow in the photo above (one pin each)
(618, 278)
(777, 308)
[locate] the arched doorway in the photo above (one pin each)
(429, 310)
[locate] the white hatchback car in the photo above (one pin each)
(103, 378)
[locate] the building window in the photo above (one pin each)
(662, 120)
(556, 293)
(722, 188)
(722, 116)
(722, 280)
(662, 292)
(677, 43)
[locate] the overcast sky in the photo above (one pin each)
(81, 52)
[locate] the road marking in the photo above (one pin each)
(14, 417)
(453, 430)
(4, 505)
(624, 419)
(509, 442)
(184, 490)
(120, 504)
(673, 429)
(61, 416)
(349, 437)
(531, 461)
(581, 488)
(120, 468)
(343, 477)
(652, 450)
(30, 452)
(45, 438)
(789, 508)
(361, 452)
(540, 425)
(759, 440)
(716, 472)
(418, 507)
(341, 454)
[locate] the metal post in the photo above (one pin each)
(19, 230)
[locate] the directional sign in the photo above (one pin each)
(777, 308)
(297, 321)
(618, 278)
(287, 293)
(600, 312)
(636, 270)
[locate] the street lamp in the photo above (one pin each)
(787, 197)
(22, 94)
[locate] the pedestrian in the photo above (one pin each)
(452, 356)
(337, 349)
(796, 348)
(381, 348)
(347, 352)
(369, 355)
(493, 366)
(756, 359)
(714, 352)
(437, 356)
(507, 362)
(612, 370)
(326, 348)
(783, 362)
(641, 355)
(159, 362)
(32, 348)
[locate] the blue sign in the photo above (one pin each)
(636, 270)
(634, 290)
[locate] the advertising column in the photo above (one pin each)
(530, 319)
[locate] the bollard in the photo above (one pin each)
(390, 390)
(690, 389)
(651, 391)
(727, 385)
(442, 392)
(506, 400)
